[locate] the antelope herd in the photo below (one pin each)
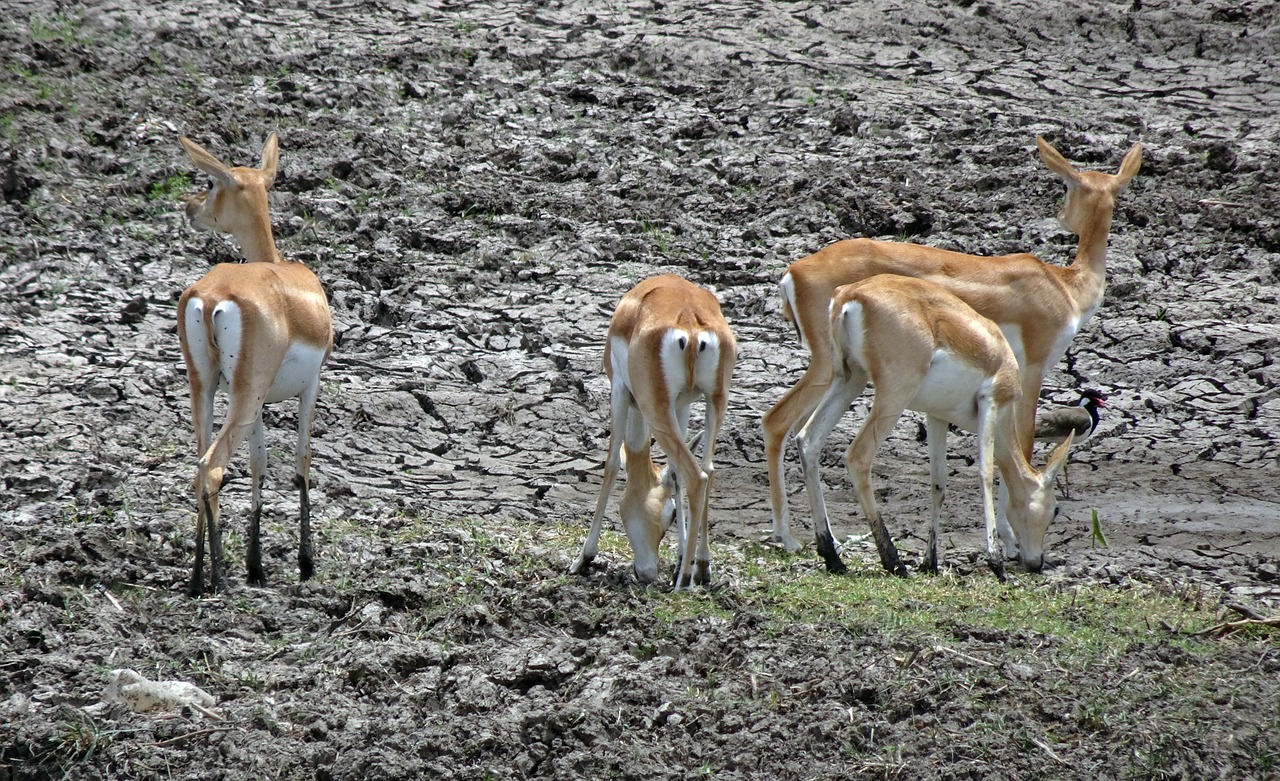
(965, 339)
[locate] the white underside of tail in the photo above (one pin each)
(705, 366)
(787, 289)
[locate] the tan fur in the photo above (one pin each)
(281, 303)
(904, 324)
(642, 320)
(1042, 300)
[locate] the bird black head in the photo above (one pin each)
(1093, 395)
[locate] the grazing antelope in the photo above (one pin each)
(668, 346)
(1053, 425)
(261, 330)
(925, 349)
(1039, 307)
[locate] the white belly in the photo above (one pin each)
(299, 371)
(950, 391)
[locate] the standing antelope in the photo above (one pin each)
(926, 350)
(261, 330)
(1039, 307)
(668, 345)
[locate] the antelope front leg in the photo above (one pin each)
(937, 428)
(986, 472)
(582, 564)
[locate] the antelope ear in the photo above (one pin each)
(1056, 162)
(270, 158)
(1057, 460)
(207, 162)
(667, 477)
(1129, 166)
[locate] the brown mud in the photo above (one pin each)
(477, 184)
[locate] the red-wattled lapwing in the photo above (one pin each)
(1055, 424)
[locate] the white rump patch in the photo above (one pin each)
(707, 365)
(198, 347)
(228, 329)
(674, 342)
(854, 334)
(787, 288)
(618, 360)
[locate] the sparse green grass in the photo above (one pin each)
(21, 71)
(956, 641)
(1086, 621)
(54, 28)
(173, 187)
(1086, 624)
(1089, 618)
(82, 738)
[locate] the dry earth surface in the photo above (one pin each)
(476, 184)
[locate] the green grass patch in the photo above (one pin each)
(173, 187)
(54, 28)
(1081, 618)
(1091, 617)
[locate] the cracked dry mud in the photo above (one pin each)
(477, 184)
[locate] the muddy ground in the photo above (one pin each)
(477, 184)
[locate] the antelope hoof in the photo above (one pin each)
(997, 567)
(789, 543)
(831, 556)
(581, 565)
(894, 566)
(702, 573)
(683, 581)
(834, 565)
(891, 563)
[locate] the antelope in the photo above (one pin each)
(927, 350)
(1038, 306)
(261, 330)
(668, 345)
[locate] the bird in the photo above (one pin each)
(1082, 419)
